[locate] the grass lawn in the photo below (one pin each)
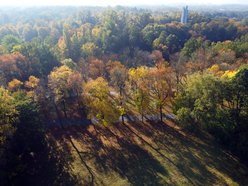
(145, 154)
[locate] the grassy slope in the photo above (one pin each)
(146, 154)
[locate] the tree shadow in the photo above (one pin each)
(132, 162)
(34, 159)
(135, 164)
(126, 158)
(195, 154)
(129, 151)
(65, 136)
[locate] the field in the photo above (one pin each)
(145, 154)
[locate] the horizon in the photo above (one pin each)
(28, 3)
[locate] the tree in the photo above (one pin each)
(40, 56)
(140, 94)
(64, 43)
(178, 64)
(218, 105)
(172, 42)
(238, 99)
(201, 95)
(96, 68)
(28, 33)
(14, 85)
(98, 101)
(160, 86)
(199, 61)
(118, 76)
(238, 95)
(76, 43)
(157, 58)
(64, 85)
(37, 91)
(14, 66)
(90, 49)
(33, 87)
(69, 63)
(8, 115)
(191, 46)
(29, 152)
(9, 41)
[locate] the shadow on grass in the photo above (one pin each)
(33, 159)
(129, 160)
(194, 156)
(134, 161)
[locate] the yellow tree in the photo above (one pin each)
(14, 85)
(64, 84)
(8, 114)
(32, 85)
(89, 49)
(36, 90)
(140, 94)
(98, 101)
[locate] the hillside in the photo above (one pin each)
(145, 154)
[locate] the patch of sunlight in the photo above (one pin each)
(224, 178)
(229, 74)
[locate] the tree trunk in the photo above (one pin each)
(64, 109)
(58, 115)
(161, 113)
(120, 91)
(177, 76)
(122, 119)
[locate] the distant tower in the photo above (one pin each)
(184, 17)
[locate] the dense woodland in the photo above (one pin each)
(67, 65)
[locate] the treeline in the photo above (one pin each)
(111, 64)
(119, 30)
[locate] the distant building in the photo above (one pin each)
(185, 13)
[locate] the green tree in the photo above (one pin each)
(32, 159)
(238, 95)
(190, 46)
(10, 41)
(199, 97)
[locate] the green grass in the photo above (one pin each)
(146, 154)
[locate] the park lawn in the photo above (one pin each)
(146, 154)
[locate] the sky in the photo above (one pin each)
(114, 2)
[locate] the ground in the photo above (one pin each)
(146, 153)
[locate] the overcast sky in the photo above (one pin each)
(114, 2)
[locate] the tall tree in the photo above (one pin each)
(98, 101)
(140, 93)
(8, 115)
(62, 85)
(160, 86)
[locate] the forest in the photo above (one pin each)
(123, 96)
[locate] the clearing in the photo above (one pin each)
(145, 154)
